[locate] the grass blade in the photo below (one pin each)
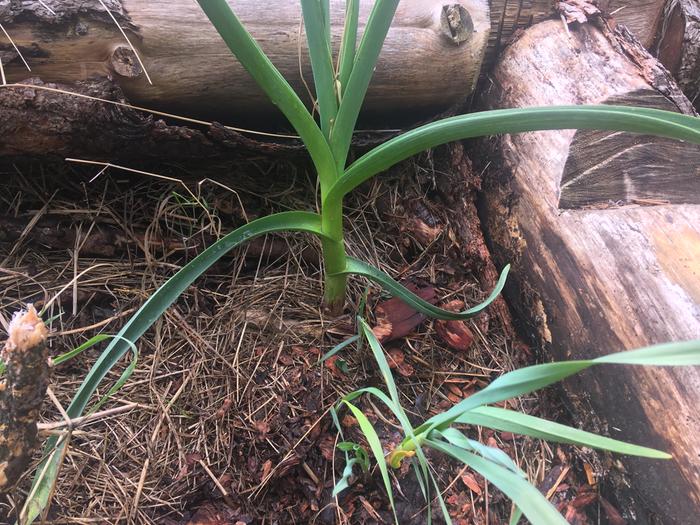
(458, 439)
(531, 378)
(365, 61)
(268, 77)
(376, 447)
(668, 354)
(154, 307)
(530, 500)
(614, 118)
(317, 27)
(337, 348)
(357, 267)
(526, 425)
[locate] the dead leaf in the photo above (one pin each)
(420, 231)
(266, 469)
(456, 334)
(395, 319)
(470, 481)
(590, 475)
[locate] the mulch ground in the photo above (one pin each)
(226, 417)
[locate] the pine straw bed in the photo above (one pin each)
(227, 411)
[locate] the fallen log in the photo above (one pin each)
(181, 65)
(22, 389)
(603, 230)
(180, 53)
(78, 47)
(679, 45)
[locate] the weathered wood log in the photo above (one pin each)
(431, 42)
(22, 391)
(192, 73)
(679, 45)
(603, 230)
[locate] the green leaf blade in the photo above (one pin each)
(685, 353)
(357, 267)
(530, 500)
(613, 118)
(317, 24)
(523, 424)
(375, 446)
(366, 58)
(268, 77)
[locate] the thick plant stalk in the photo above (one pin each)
(335, 259)
(22, 390)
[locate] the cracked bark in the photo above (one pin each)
(22, 390)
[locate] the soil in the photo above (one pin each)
(226, 417)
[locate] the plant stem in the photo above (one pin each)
(334, 258)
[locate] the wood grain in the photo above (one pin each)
(679, 45)
(593, 280)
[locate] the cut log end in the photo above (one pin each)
(22, 390)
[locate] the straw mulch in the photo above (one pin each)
(227, 412)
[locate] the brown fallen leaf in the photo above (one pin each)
(456, 334)
(396, 319)
(470, 481)
(266, 469)
(212, 513)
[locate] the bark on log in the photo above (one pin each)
(604, 233)
(22, 390)
(431, 42)
(679, 45)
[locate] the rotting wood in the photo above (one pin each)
(22, 391)
(603, 230)
(679, 45)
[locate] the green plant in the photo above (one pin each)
(440, 433)
(340, 91)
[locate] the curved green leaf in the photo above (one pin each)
(268, 77)
(458, 439)
(614, 118)
(530, 500)
(356, 267)
(526, 425)
(154, 307)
